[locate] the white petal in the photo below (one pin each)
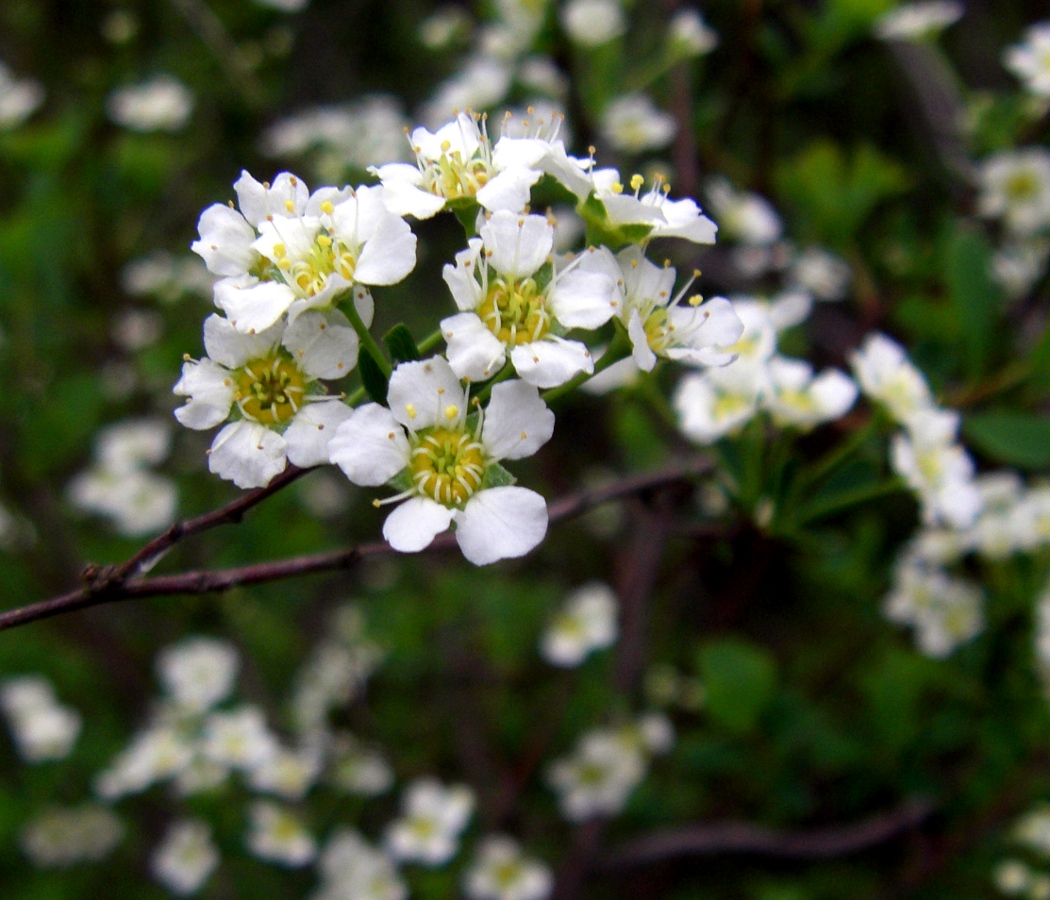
(643, 354)
(259, 201)
(518, 244)
(324, 344)
(312, 429)
(474, 352)
(517, 421)
(226, 241)
(388, 255)
(403, 193)
(370, 446)
(551, 361)
(210, 389)
(582, 299)
(233, 348)
(501, 523)
(509, 190)
(460, 278)
(415, 523)
(252, 305)
(248, 454)
(834, 392)
(421, 393)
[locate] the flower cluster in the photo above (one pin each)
(43, 728)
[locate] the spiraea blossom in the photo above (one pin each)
(801, 399)
(432, 819)
(185, 858)
(287, 251)
(743, 215)
(916, 21)
(633, 123)
(352, 869)
(277, 835)
(19, 98)
(459, 163)
(59, 837)
(660, 324)
(500, 871)
(270, 382)
(42, 728)
(888, 376)
(1015, 187)
(513, 304)
(161, 104)
(586, 622)
(1030, 59)
(198, 672)
(444, 458)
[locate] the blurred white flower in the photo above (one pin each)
(586, 622)
(632, 123)
(432, 819)
(1015, 187)
(944, 611)
(1012, 877)
(352, 869)
(825, 275)
(500, 871)
(160, 104)
(239, 739)
(42, 728)
(287, 773)
(888, 376)
(62, 837)
(277, 835)
(593, 22)
(598, 778)
(443, 26)
(481, 84)
(689, 35)
(185, 858)
(167, 277)
(743, 215)
(1017, 265)
(1030, 59)
(19, 98)
(357, 769)
(198, 672)
(916, 21)
(801, 399)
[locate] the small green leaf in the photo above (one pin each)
(401, 344)
(975, 298)
(740, 680)
(1015, 438)
(372, 378)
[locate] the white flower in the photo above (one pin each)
(443, 26)
(160, 104)
(886, 375)
(166, 277)
(238, 739)
(799, 399)
(432, 819)
(352, 869)
(287, 774)
(1012, 877)
(1030, 60)
(198, 672)
(509, 308)
(277, 835)
(689, 35)
(586, 622)
(42, 728)
(945, 611)
(1017, 265)
(1033, 829)
(185, 858)
(825, 275)
(598, 778)
(58, 838)
(272, 377)
(157, 753)
(459, 163)
(137, 502)
(915, 21)
(447, 462)
(1015, 187)
(743, 215)
(357, 769)
(659, 324)
(653, 209)
(938, 470)
(718, 402)
(632, 123)
(591, 23)
(480, 84)
(19, 98)
(501, 872)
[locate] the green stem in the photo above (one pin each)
(840, 454)
(430, 341)
(502, 375)
(619, 348)
(367, 341)
(852, 498)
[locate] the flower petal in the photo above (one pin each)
(323, 343)
(370, 446)
(551, 361)
(250, 304)
(226, 241)
(248, 454)
(232, 348)
(312, 429)
(517, 421)
(474, 352)
(421, 393)
(415, 523)
(210, 390)
(584, 299)
(501, 523)
(517, 245)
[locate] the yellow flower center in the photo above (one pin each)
(447, 465)
(658, 329)
(1022, 186)
(270, 390)
(453, 177)
(515, 311)
(309, 276)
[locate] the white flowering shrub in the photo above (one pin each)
(562, 448)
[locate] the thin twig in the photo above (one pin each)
(830, 842)
(115, 583)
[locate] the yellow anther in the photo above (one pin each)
(279, 250)
(284, 263)
(446, 145)
(451, 411)
(266, 185)
(634, 264)
(617, 188)
(186, 357)
(323, 240)
(288, 205)
(327, 207)
(376, 503)
(410, 409)
(636, 181)
(696, 300)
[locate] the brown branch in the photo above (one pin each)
(114, 583)
(830, 842)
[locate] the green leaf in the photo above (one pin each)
(975, 298)
(1015, 438)
(740, 680)
(497, 476)
(372, 378)
(401, 344)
